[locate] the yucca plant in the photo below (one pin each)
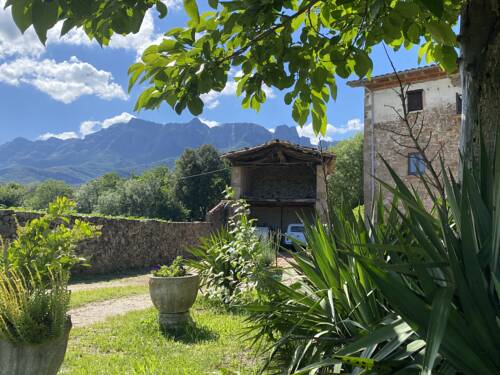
(445, 283)
(33, 310)
(334, 306)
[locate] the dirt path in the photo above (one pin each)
(99, 311)
(125, 281)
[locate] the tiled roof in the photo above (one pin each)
(311, 151)
(422, 73)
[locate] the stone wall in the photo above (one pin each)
(279, 182)
(125, 244)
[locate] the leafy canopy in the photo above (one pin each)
(345, 184)
(300, 46)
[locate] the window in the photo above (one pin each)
(459, 104)
(297, 229)
(416, 164)
(415, 100)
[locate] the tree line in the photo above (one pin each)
(186, 193)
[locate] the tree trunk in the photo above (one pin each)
(480, 70)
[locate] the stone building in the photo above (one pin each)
(433, 101)
(281, 182)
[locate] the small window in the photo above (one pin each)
(297, 229)
(416, 164)
(459, 104)
(415, 100)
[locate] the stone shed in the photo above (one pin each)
(282, 182)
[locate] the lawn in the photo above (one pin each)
(83, 297)
(133, 344)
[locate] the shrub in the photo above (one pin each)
(176, 269)
(46, 192)
(232, 261)
(47, 244)
(33, 310)
(12, 194)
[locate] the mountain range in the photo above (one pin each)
(127, 147)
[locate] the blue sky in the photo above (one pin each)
(72, 86)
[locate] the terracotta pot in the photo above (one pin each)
(173, 297)
(45, 358)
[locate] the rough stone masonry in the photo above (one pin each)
(125, 244)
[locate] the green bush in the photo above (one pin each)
(176, 269)
(42, 194)
(12, 194)
(33, 310)
(47, 244)
(232, 261)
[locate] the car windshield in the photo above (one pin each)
(297, 229)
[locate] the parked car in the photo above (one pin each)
(294, 232)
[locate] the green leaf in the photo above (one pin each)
(442, 33)
(213, 3)
(21, 13)
(45, 15)
(437, 327)
(68, 24)
(195, 106)
(162, 9)
(435, 6)
(191, 9)
(363, 64)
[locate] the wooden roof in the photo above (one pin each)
(279, 153)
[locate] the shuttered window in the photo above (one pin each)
(415, 100)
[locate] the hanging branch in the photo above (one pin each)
(412, 135)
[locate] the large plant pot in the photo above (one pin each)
(34, 359)
(173, 297)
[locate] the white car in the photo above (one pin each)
(294, 232)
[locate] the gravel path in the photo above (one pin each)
(125, 281)
(99, 311)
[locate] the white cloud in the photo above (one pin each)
(353, 125)
(211, 99)
(137, 42)
(209, 123)
(272, 130)
(89, 127)
(12, 42)
(64, 81)
(63, 136)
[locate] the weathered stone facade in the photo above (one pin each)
(282, 182)
(125, 244)
(385, 134)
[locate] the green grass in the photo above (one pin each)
(133, 344)
(80, 298)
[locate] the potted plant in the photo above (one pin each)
(34, 325)
(173, 291)
(34, 295)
